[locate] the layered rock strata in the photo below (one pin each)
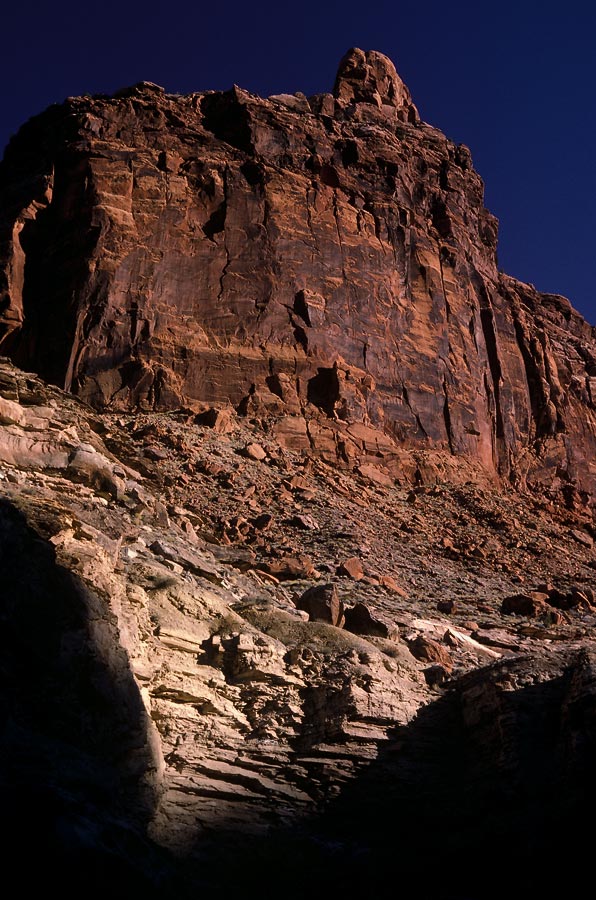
(174, 716)
(270, 606)
(289, 255)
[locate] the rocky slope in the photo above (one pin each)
(223, 659)
(305, 597)
(331, 252)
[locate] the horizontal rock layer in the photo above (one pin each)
(222, 658)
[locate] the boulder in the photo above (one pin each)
(322, 604)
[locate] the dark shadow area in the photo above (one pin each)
(57, 243)
(76, 765)
(487, 794)
(323, 390)
(348, 151)
(301, 308)
(216, 221)
(225, 116)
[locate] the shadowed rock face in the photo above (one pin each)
(159, 249)
(78, 772)
(205, 686)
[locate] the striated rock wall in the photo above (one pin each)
(288, 254)
(150, 683)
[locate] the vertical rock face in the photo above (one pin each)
(370, 77)
(330, 256)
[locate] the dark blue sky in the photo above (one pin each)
(515, 81)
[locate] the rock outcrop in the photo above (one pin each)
(276, 598)
(180, 718)
(290, 257)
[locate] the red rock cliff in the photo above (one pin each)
(334, 251)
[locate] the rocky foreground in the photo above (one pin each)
(298, 592)
(212, 643)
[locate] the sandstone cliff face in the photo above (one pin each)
(328, 256)
(225, 661)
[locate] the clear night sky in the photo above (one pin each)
(515, 81)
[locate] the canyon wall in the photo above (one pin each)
(329, 255)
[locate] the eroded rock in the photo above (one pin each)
(329, 264)
(317, 278)
(322, 603)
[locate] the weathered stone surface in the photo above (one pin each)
(447, 606)
(427, 650)
(389, 582)
(290, 567)
(322, 603)
(329, 263)
(532, 604)
(351, 568)
(576, 597)
(255, 451)
(164, 693)
(369, 77)
(361, 620)
(249, 290)
(221, 420)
